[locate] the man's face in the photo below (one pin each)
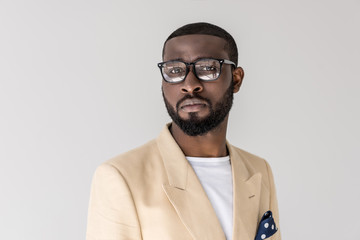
(194, 105)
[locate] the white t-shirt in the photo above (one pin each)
(216, 178)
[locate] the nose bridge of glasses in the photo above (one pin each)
(191, 82)
(190, 67)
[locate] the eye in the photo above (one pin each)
(175, 70)
(208, 68)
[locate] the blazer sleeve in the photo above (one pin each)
(112, 214)
(273, 203)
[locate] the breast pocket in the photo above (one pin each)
(276, 236)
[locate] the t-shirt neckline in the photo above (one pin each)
(208, 159)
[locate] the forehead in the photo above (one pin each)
(192, 47)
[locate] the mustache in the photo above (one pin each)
(190, 97)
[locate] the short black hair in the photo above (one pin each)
(207, 29)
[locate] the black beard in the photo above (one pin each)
(198, 127)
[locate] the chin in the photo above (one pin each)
(193, 116)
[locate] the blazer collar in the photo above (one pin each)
(246, 196)
(175, 163)
(190, 201)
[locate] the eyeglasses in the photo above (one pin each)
(205, 69)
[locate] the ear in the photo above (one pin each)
(238, 75)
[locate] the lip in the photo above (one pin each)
(192, 101)
(192, 105)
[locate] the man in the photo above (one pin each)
(189, 183)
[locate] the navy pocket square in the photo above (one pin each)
(267, 226)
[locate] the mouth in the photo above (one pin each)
(192, 105)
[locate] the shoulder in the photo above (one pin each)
(253, 163)
(251, 160)
(136, 161)
(136, 155)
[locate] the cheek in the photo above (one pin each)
(170, 93)
(227, 76)
(215, 92)
(226, 80)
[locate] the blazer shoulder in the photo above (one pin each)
(255, 164)
(142, 157)
(253, 161)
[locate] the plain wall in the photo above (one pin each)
(79, 84)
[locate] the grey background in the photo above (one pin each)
(79, 84)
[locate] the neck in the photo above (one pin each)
(211, 144)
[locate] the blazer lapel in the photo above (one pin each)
(185, 192)
(246, 190)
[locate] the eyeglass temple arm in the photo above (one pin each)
(229, 62)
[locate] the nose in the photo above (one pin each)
(191, 84)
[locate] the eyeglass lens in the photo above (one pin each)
(205, 69)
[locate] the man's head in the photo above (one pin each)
(198, 102)
(207, 29)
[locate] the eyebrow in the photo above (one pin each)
(200, 57)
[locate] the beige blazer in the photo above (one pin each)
(152, 192)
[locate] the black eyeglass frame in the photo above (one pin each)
(221, 61)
